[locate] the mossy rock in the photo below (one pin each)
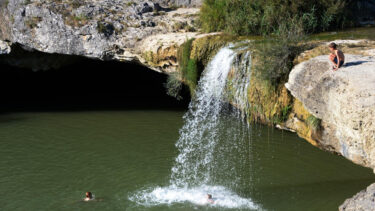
(269, 104)
(150, 58)
(203, 49)
(194, 55)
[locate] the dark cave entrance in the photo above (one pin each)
(85, 84)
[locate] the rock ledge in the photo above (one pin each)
(345, 102)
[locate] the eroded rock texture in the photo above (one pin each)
(345, 102)
(362, 201)
(4, 47)
(102, 29)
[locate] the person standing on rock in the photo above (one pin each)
(337, 57)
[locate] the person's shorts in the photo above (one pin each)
(341, 62)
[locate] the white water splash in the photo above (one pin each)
(226, 78)
(210, 152)
(196, 196)
(198, 135)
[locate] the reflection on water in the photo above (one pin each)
(49, 160)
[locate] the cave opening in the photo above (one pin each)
(83, 84)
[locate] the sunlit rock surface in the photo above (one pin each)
(4, 47)
(345, 102)
(101, 29)
(362, 201)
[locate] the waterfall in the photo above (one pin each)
(199, 136)
(211, 141)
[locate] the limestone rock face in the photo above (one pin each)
(101, 29)
(362, 201)
(345, 102)
(4, 47)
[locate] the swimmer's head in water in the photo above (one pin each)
(209, 196)
(89, 195)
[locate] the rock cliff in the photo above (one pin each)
(344, 100)
(103, 29)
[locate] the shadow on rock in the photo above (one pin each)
(349, 64)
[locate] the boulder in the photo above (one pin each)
(362, 201)
(345, 102)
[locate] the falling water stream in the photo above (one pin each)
(205, 163)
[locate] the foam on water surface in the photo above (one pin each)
(222, 197)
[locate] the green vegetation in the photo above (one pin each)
(260, 17)
(283, 25)
(284, 30)
(274, 55)
(189, 28)
(178, 25)
(183, 26)
(100, 27)
(77, 3)
(189, 69)
(105, 28)
(76, 21)
(313, 122)
(188, 66)
(352, 33)
(285, 112)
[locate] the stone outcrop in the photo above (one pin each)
(362, 201)
(101, 29)
(345, 102)
(4, 47)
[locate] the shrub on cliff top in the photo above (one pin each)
(259, 17)
(274, 56)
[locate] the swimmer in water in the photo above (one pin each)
(88, 197)
(210, 199)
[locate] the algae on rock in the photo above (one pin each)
(194, 54)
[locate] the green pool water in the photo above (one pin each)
(49, 159)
